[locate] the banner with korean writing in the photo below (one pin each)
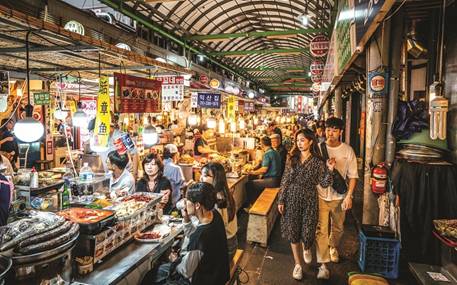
(41, 98)
(299, 104)
(209, 100)
(231, 108)
(103, 116)
(172, 88)
(136, 94)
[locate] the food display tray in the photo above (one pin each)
(23, 259)
(98, 226)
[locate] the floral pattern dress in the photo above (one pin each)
(300, 198)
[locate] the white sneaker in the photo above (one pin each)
(323, 272)
(307, 256)
(334, 256)
(297, 273)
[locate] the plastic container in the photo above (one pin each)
(85, 173)
(379, 255)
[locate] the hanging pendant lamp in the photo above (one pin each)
(28, 129)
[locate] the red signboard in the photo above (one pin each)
(316, 67)
(319, 46)
(300, 104)
(204, 79)
(136, 95)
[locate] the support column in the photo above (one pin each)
(394, 86)
(375, 123)
(338, 102)
(347, 130)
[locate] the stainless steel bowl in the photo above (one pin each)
(5, 266)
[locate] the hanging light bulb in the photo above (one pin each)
(251, 94)
(221, 126)
(255, 120)
(242, 124)
(278, 119)
(211, 123)
(150, 136)
(79, 117)
(60, 115)
(283, 120)
(192, 120)
(28, 129)
(233, 127)
(126, 121)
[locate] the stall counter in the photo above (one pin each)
(237, 187)
(130, 263)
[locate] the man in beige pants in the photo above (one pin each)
(333, 206)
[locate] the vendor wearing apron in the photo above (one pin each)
(201, 148)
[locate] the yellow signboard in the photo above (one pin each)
(231, 108)
(103, 116)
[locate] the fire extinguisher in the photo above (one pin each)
(379, 176)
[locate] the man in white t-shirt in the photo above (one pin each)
(333, 206)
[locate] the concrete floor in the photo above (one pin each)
(273, 265)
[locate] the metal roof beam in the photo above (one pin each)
(266, 51)
(266, 68)
(255, 34)
(48, 48)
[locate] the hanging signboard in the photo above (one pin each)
(231, 108)
(316, 67)
(365, 11)
(377, 83)
(316, 78)
(103, 116)
(214, 83)
(204, 79)
(194, 100)
(136, 94)
(319, 46)
(172, 88)
(249, 106)
(299, 104)
(209, 100)
(41, 98)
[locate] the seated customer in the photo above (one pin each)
(214, 173)
(276, 144)
(205, 260)
(154, 181)
(269, 172)
(122, 183)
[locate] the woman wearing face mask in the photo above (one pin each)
(205, 259)
(298, 202)
(154, 181)
(214, 174)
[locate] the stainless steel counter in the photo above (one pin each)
(129, 264)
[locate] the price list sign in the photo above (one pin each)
(209, 100)
(172, 88)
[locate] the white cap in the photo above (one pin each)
(171, 148)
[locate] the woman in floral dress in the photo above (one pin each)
(298, 203)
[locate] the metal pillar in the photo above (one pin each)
(394, 86)
(338, 102)
(377, 53)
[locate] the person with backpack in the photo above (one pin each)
(334, 200)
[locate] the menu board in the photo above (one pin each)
(249, 106)
(172, 88)
(136, 94)
(231, 108)
(209, 100)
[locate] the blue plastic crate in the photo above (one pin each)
(379, 255)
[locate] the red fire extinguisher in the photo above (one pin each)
(379, 176)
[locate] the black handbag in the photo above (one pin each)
(339, 183)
